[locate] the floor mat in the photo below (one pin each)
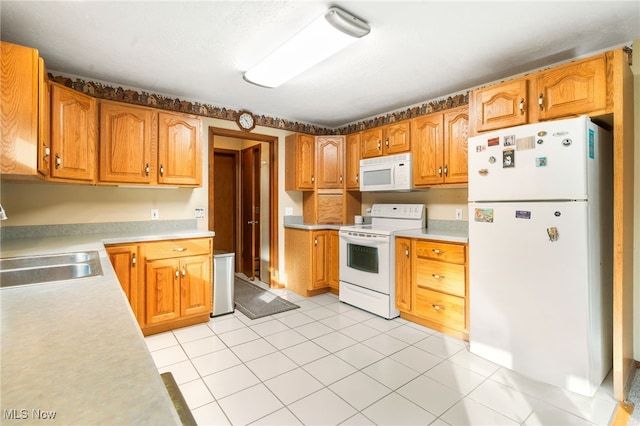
(256, 302)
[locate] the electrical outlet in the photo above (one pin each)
(155, 215)
(199, 213)
(458, 214)
(288, 211)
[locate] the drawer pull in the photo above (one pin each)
(184, 272)
(438, 277)
(437, 307)
(437, 251)
(133, 260)
(180, 249)
(177, 273)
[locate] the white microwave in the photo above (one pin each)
(386, 173)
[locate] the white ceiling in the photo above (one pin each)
(416, 52)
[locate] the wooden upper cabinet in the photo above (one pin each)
(572, 89)
(300, 162)
(456, 135)
(330, 162)
(372, 142)
(73, 135)
(44, 121)
(386, 140)
(179, 149)
(353, 152)
(127, 143)
(19, 85)
(428, 149)
(501, 105)
(396, 138)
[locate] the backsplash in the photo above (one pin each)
(44, 231)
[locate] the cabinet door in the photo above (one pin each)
(428, 150)
(73, 134)
(372, 143)
(179, 150)
(127, 134)
(501, 105)
(572, 89)
(162, 291)
(300, 162)
(352, 168)
(403, 274)
(397, 138)
(319, 263)
(456, 134)
(124, 259)
(44, 121)
(333, 249)
(18, 109)
(329, 162)
(195, 285)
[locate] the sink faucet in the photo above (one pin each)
(3, 214)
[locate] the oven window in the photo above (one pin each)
(377, 177)
(362, 258)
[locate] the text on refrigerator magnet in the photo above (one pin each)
(553, 234)
(523, 214)
(541, 162)
(528, 142)
(509, 140)
(493, 141)
(483, 215)
(508, 158)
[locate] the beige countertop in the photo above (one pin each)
(75, 348)
(440, 234)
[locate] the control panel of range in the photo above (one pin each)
(398, 211)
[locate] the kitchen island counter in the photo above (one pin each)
(72, 351)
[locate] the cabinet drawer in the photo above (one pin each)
(441, 251)
(440, 276)
(177, 248)
(441, 308)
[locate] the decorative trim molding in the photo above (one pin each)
(108, 92)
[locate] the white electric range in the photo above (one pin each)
(367, 257)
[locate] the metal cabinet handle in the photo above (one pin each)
(437, 307)
(313, 178)
(438, 277)
(133, 260)
(406, 251)
(357, 178)
(541, 101)
(58, 161)
(379, 145)
(184, 272)
(387, 143)
(161, 170)
(521, 106)
(446, 170)
(438, 251)
(147, 169)
(47, 151)
(177, 273)
(439, 171)
(180, 249)
(315, 241)
(340, 178)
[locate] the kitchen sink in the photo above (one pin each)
(16, 271)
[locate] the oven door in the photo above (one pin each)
(364, 261)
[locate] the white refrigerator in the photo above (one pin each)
(540, 251)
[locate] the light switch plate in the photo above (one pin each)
(288, 211)
(155, 214)
(458, 214)
(199, 213)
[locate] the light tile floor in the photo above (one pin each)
(329, 363)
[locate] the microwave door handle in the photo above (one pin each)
(394, 170)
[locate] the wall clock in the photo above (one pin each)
(246, 121)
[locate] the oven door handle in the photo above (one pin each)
(363, 240)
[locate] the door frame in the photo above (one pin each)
(273, 190)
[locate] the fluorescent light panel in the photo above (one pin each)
(324, 37)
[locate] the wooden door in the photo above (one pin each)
(44, 121)
(250, 222)
(572, 89)
(179, 150)
(428, 150)
(127, 134)
(329, 162)
(124, 259)
(195, 285)
(162, 293)
(372, 143)
(502, 105)
(403, 274)
(333, 257)
(73, 134)
(225, 193)
(397, 138)
(456, 135)
(319, 264)
(353, 153)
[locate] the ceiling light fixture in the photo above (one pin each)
(324, 37)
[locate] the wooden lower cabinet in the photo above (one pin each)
(311, 261)
(432, 284)
(172, 285)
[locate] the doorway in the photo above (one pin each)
(243, 200)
